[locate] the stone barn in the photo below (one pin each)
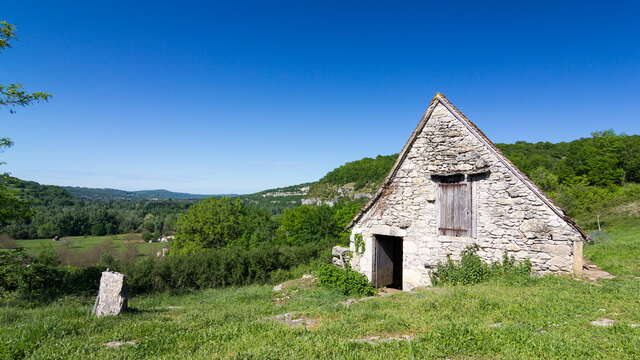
(451, 187)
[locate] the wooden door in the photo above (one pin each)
(455, 209)
(387, 264)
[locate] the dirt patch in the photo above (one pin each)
(120, 343)
(307, 281)
(376, 339)
(604, 322)
(282, 298)
(381, 293)
(293, 320)
(592, 273)
(288, 289)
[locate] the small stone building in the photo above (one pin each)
(451, 187)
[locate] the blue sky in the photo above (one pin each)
(235, 97)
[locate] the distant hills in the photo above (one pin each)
(84, 193)
(605, 159)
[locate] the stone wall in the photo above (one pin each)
(509, 217)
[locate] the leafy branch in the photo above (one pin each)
(13, 95)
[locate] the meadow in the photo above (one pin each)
(548, 318)
(87, 250)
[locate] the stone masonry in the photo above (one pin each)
(510, 215)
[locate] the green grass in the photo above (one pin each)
(548, 319)
(82, 243)
(621, 254)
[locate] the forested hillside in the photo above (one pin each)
(276, 200)
(593, 176)
(56, 212)
(587, 177)
(360, 176)
(84, 193)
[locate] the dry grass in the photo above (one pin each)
(7, 242)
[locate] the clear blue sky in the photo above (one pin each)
(213, 97)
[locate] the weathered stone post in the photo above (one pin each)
(112, 297)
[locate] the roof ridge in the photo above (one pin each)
(473, 128)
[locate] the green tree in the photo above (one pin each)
(344, 213)
(12, 95)
(308, 223)
(11, 207)
(219, 222)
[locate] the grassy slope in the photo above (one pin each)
(548, 319)
(621, 254)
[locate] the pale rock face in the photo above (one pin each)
(112, 297)
(509, 216)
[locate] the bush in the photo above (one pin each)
(472, 270)
(11, 264)
(39, 281)
(42, 279)
(347, 281)
(212, 268)
(149, 236)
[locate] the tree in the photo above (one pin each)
(308, 223)
(219, 222)
(12, 95)
(11, 207)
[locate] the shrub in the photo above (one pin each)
(81, 280)
(11, 264)
(39, 281)
(211, 268)
(148, 236)
(347, 281)
(472, 270)
(42, 278)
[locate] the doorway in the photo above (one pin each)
(387, 262)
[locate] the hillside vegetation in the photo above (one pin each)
(83, 193)
(593, 179)
(588, 177)
(228, 242)
(548, 318)
(277, 200)
(57, 213)
(72, 211)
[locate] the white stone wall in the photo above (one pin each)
(509, 216)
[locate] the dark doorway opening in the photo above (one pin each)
(387, 264)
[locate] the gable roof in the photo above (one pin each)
(475, 131)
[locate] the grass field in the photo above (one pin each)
(621, 254)
(84, 243)
(548, 319)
